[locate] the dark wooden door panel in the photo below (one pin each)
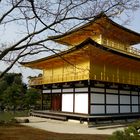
(56, 102)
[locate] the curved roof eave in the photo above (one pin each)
(57, 37)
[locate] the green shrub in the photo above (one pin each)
(8, 116)
(130, 133)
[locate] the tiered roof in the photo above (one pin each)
(101, 24)
(82, 36)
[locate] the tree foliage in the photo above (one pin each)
(12, 90)
(14, 93)
(31, 97)
(35, 20)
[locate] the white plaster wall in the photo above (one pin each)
(124, 109)
(97, 98)
(112, 109)
(135, 109)
(124, 99)
(97, 109)
(67, 102)
(124, 92)
(46, 91)
(111, 99)
(56, 90)
(81, 89)
(68, 90)
(81, 103)
(134, 92)
(111, 91)
(134, 99)
(97, 89)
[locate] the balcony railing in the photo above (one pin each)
(133, 50)
(121, 47)
(135, 80)
(57, 78)
(36, 81)
(127, 50)
(130, 50)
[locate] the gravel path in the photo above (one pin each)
(66, 127)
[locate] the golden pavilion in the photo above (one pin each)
(99, 75)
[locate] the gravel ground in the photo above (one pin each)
(66, 127)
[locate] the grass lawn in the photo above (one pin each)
(18, 132)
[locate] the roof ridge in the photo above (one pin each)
(99, 16)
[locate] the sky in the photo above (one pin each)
(134, 24)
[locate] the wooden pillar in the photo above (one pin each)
(105, 106)
(139, 101)
(61, 97)
(130, 101)
(89, 95)
(51, 97)
(41, 99)
(73, 98)
(119, 99)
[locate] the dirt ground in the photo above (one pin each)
(19, 132)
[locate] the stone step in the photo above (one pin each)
(110, 126)
(64, 118)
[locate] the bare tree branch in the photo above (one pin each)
(35, 20)
(10, 10)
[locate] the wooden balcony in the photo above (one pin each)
(36, 81)
(124, 49)
(134, 51)
(119, 46)
(116, 78)
(130, 51)
(100, 76)
(57, 79)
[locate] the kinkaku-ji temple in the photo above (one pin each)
(98, 77)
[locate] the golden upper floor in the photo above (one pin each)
(99, 50)
(88, 61)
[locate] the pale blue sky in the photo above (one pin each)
(134, 23)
